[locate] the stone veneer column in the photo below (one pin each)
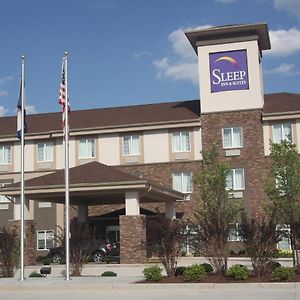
(30, 240)
(132, 239)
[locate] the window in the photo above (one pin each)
(182, 182)
(3, 199)
(45, 204)
(282, 132)
(236, 179)
(45, 239)
(284, 236)
(131, 145)
(87, 148)
(5, 155)
(234, 233)
(232, 137)
(45, 152)
(181, 141)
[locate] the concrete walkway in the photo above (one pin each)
(123, 286)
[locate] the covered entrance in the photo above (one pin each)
(98, 184)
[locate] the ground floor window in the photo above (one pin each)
(45, 239)
(234, 233)
(285, 241)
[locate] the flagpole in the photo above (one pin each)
(22, 175)
(67, 199)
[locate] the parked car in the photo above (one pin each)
(100, 250)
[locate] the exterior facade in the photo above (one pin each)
(158, 143)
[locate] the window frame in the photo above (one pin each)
(234, 181)
(282, 131)
(181, 132)
(44, 231)
(44, 151)
(131, 136)
(231, 138)
(10, 155)
(181, 179)
(93, 148)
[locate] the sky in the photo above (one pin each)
(128, 52)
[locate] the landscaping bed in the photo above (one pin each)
(213, 278)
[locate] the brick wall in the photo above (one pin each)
(251, 157)
(133, 237)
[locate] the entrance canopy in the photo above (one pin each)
(92, 184)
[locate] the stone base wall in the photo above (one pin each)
(30, 240)
(133, 239)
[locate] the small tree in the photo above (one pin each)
(259, 238)
(8, 251)
(167, 238)
(81, 246)
(216, 212)
(283, 189)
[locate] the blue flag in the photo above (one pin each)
(19, 113)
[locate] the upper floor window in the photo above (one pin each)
(236, 179)
(282, 132)
(181, 141)
(87, 148)
(232, 137)
(131, 145)
(3, 199)
(182, 182)
(5, 155)
(45, 152)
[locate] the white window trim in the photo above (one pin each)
(7, 163)
(231, 129)
(131, 137)
(234, 184)
(181, 151)
(95, 148)
(281, 125)
(45, 239)
(2, 184)
(44, 149)
(187, 192)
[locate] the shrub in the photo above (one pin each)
(194, 272)
(238, 272)
(284, 254)
(179, 271)
(108, 259)
(9, 251)
(283, 274)
(46, 261)
(153, 273)
(272, 265)
(108, 274)
(36, 275)
(207, 267)
(242, 252)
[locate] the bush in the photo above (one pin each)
(283, 274)
(238, 272)
(179, 271)
(284, 254)
(108, 259)
(242, 252)
(36, 275)
(108, 274)
(194, 272)
(207, 267)
(153, 273)
(272, 265)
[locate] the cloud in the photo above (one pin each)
(3, 111)
(291, 6)
(142, 54)
(3, 93)
(182, 63)
(284, 70)
(30, 109)
(284, 42)
(5, 79)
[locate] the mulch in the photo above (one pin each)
(213, 278)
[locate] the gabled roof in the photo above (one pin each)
(281, 103)
(113, 117)
(92, 183)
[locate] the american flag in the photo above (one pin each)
(62, 92)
